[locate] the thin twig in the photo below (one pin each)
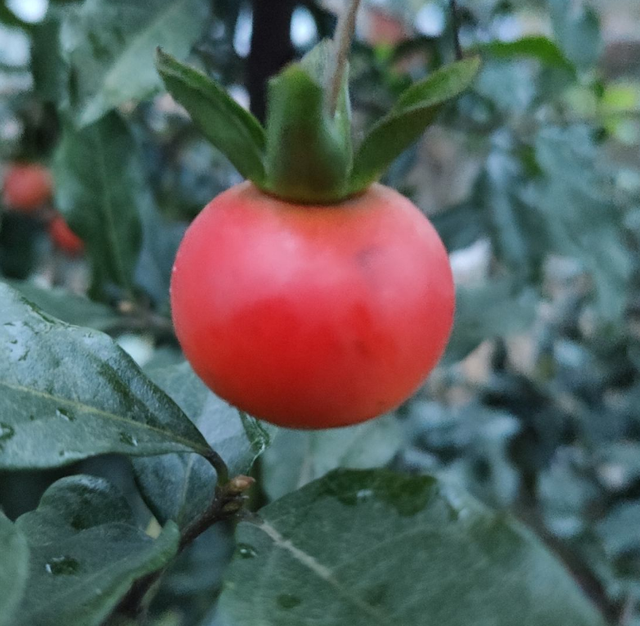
(228, 501)
(455, 24)
(342, 41)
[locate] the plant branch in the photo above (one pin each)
(228, 501)
(342, 43)
(455, 25)
(218, 464)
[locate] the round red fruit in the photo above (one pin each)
(312, 316)
(27, 187)
(64, 238)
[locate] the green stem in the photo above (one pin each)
(342, 43)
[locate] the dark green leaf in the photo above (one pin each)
(377, 548)
(308, 154)
(229, 127)
(297, 457)
(68, 393)
(178, 486)
(17, 245)
(49, 65)
(403, 125)
(536, 47)
(192, 583)
(99, 187)
(14, 567)
(68, 307)
(161, 239)
(110, 45)
(86, 552)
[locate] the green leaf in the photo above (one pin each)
(68, 307)
(415, 110)
(583, 220)
(110, 45)
(14, 567)
(180, 487)
(308, 155)
(577, 30)
(518, 231)
(377, 548)
(536, 47)
(86, 552)
(99, 187)
(297, 457)
(498, 308)
(67, 393)
(229, 127)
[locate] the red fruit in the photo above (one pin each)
(312, 316)
(64, 238)
(27, 187)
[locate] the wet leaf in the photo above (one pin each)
(86, 552)
(178, 486)
(377, 548)
(68, 393)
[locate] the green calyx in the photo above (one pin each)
(305, 154)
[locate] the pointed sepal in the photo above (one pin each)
(308, 150)
(230, 128)
(416, 109)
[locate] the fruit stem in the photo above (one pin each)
(342, 43)
(455, 24)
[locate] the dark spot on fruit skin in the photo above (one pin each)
(365, 257)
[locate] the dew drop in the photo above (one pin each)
(288, 601)
(246, 551)
(66, 415)
(128, 439)
(62, 566)
(364, 494)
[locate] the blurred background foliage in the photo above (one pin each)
(532, 179)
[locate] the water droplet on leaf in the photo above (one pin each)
(246, 551)
(62, 566)
(6, 431)
(65, 414)
(128, 439)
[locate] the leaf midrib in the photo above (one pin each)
(169, 435)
